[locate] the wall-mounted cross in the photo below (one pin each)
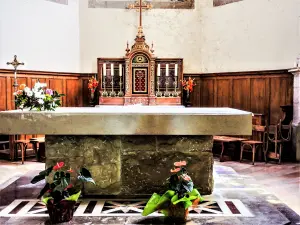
(140, 5)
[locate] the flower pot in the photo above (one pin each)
(177, 213)
(62, 211)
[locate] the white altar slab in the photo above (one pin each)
(128, 120)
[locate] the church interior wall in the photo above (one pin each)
(44, 34)
(243, 36)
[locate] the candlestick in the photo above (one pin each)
(176, 69)
(104, 69)
(112, 69)
(167, 70)
(158, 70)
(120, 70)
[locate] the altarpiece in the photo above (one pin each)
(140, 77)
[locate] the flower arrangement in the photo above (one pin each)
(61, 194)
(188, 85)
(175, 202)
(39, 97)
(93, 84)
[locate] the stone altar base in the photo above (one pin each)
(133, 165)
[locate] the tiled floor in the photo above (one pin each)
(243, 194)
(281, 180)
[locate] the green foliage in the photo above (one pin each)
(38, 98)
(181, 190)
(74, 197)
(61, 186)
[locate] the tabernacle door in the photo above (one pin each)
(140, 74)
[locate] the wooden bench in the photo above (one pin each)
(226, 139)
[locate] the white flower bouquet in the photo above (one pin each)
(39, 97)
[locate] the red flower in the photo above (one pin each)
(175, 170)
(69, 186)
(180, 163)
(186, 177)
(58, 166)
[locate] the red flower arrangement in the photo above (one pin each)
(189, 84)
(93, 84)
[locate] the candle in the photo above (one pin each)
(104, 69)
(158, 70)
(112, 69)
(176, 68)
(120, 70)
(167, 70)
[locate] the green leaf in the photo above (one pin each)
(43, 191)
(37, 179)
(165, 212)
(187, 204)
(74, 197)
(45, 200)
(85, 172)
(86, 179)
(46, 172)
(151, 205)
(174, 198)
(68, 177)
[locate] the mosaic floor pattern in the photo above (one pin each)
(114, 207)
(236, 200)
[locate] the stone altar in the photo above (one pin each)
(130, 149)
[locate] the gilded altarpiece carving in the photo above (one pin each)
(140, 77)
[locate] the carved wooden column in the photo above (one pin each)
(296, 111)
(152, 98)
(128, 83)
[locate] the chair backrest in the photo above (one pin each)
(258, 132)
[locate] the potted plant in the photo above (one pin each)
(39, 97)
(175, 202)
(61, 194)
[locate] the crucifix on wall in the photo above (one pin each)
(140, 5)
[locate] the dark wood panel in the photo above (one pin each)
(223, 92)
(258, 95)
(195, 96)
(2, 93)
(85, 92)
(73, 93)
(57, 85)
(279, 95)
(241, 94)
(207, 93)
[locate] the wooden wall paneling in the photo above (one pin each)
(85, 92)
(241, 93)
(196, 94)
(224, 89)
(207, 92)
(41, 80)
(73, 94)
(57, 85)
(279, 95)
(3, 103)
(9, 94)
(258, 95)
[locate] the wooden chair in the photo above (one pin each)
(258, 135)
(273, 138)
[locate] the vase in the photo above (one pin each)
(62, 211)
(92, 95)
(187, 102)
(177, 213)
